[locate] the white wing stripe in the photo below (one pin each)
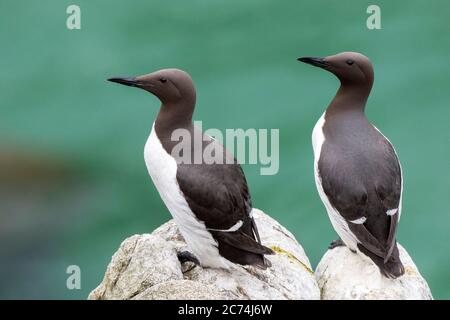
(359, 220)
(234, 228)
(391, 212)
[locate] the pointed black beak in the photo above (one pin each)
(317, 62)
(132, 82)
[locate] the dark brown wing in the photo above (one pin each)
(218, 195)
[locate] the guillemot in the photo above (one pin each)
(210, 202)
(357, 171)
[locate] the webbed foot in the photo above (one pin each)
(186, 256)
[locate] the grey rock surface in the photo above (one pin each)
(342, 274)
(146, 267)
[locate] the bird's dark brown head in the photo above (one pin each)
(170, 86)
(351, 68)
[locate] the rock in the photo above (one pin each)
(342, 274)
(142, 261)
(146, 267)
(181, 290)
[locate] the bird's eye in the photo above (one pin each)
(163, 80)
(349, 62)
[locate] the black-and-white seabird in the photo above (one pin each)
(210, 202)
(358, 174)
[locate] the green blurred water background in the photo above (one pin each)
(73, 179)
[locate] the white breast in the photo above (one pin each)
(338, 222)
(162, 168)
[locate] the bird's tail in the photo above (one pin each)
(393, 268)
(262, 263)
(240, 248)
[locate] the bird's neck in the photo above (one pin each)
(351, 98)
(172, 116)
